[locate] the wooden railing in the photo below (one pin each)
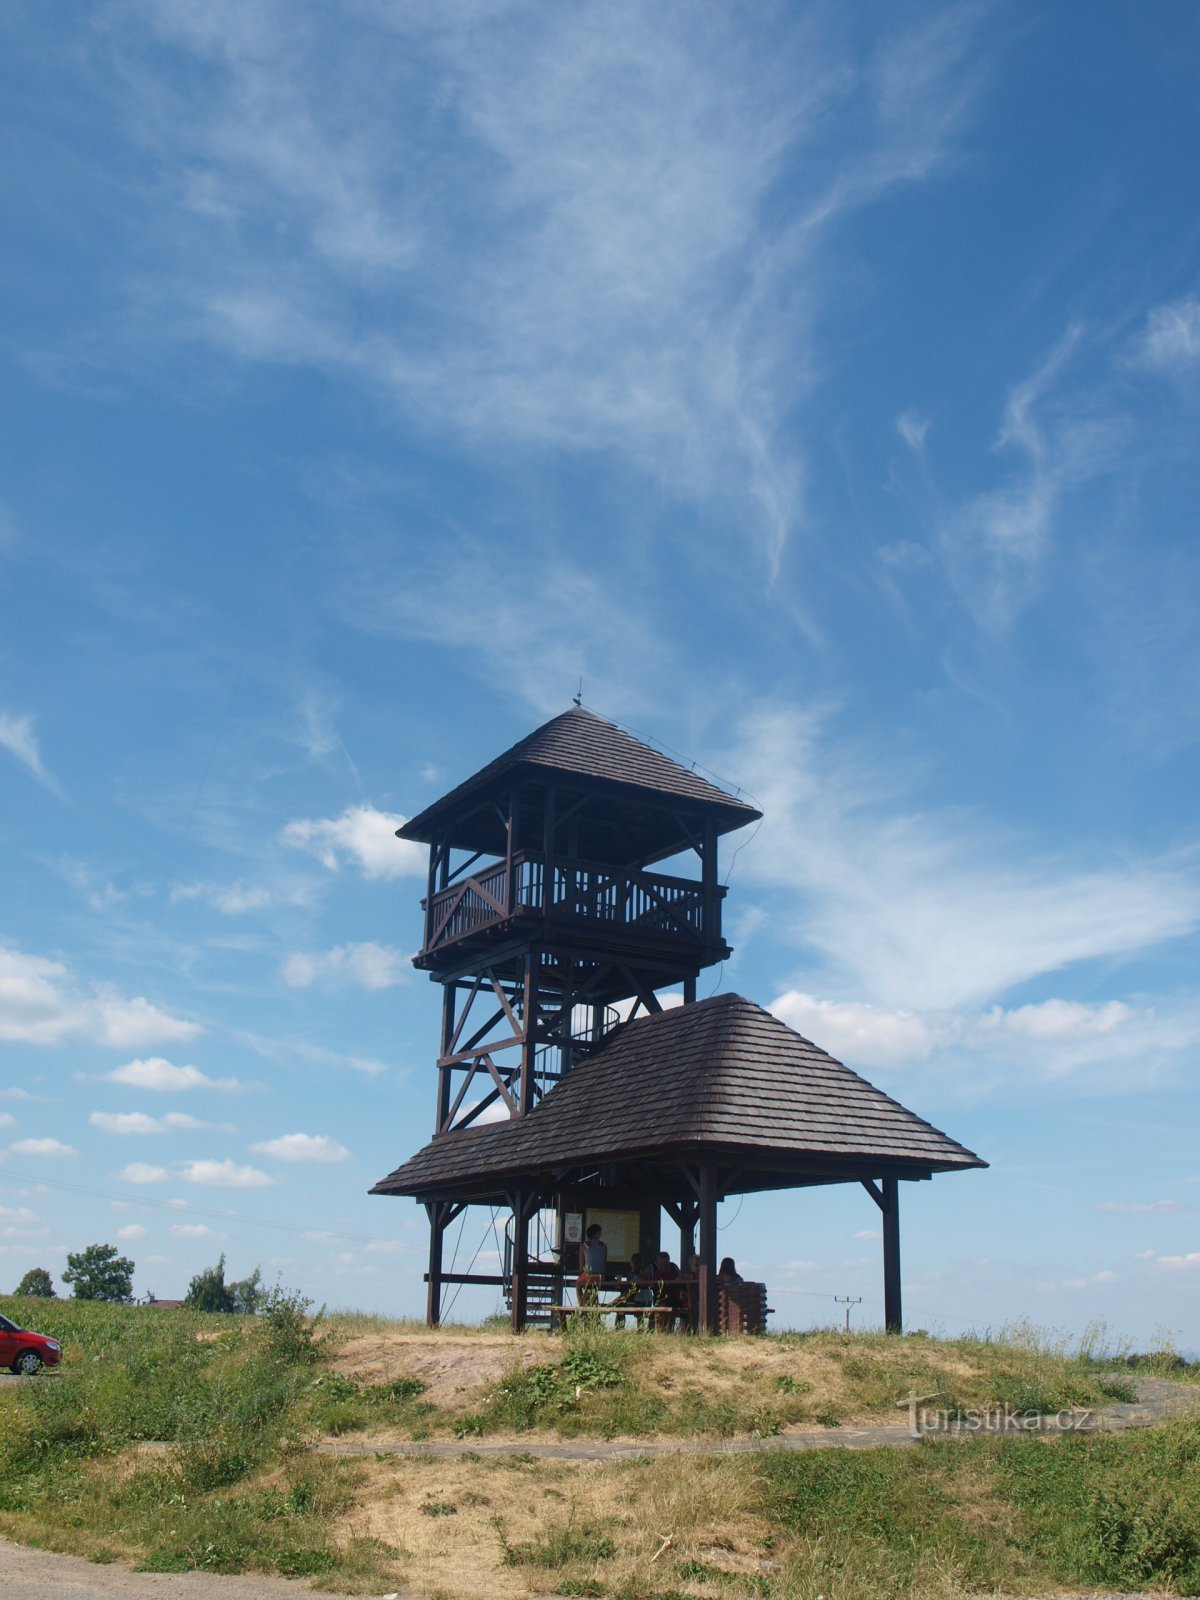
(579, 891)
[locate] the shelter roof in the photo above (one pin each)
(579, 744)
(721, 1076)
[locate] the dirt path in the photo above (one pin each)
(1158, 1399)
(27, 1574)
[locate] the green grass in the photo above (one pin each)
(238, 1403)
(237, 1491)
(1120, 1511)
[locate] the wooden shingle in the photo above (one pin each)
(579, 744)
(724, 1077)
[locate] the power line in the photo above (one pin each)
(184, 1208)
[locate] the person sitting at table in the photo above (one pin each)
(629, 1288)
(727, 1272)
(592, 1267)
(669, 1293)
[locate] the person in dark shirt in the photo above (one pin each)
(593, 1264)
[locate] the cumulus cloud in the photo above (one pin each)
(855, 1032)
(41, 1004)
(1187, 1263)
(18, 738)
(42, 1147)
(163, 1077)
(136, 1122)
(225, 1174)
(1060, 1019)
(130, 1232)
(6, 1119)
(368, 965)
(361, 836)
(313, 1147)
(141, 1172)
(193, 1230)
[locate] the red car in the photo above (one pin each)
(23, 1352)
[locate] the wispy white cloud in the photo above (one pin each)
(912, 428)
(193, 1230)
(917, 911)
(130, 1232)
(630, 287)
(164, 1077)
(234, 899)
(361, 835)
(1142, 1208)
(40, 1003)
(1170, 341)
(995, 543)
(317, 1148)
(368, 966)
(17, 736)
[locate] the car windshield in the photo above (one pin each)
(9, 1327)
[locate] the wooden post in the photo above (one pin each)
(893, 1316)
(688, 1212)
(436, 1211)
(707, 1321)
(548, 841)
(689, 990)
(529, 1021)
(449, 1006)
(708, 877)
(520, 1259)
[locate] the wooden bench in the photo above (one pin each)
(561, 1313)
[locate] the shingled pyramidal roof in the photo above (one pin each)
(722, 1076)
(583, 745)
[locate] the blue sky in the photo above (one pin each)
(817, 383)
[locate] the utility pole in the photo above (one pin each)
(848, 1301)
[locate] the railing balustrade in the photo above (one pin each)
(649, 902)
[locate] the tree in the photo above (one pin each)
(38, 1284)
(248, 1294)
(99, 1273)
(208, 1290)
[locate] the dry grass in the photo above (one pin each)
(467, 1526)
(451, 1365)
(708, 1388)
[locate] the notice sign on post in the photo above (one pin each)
(573, 1227)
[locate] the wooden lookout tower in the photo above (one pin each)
(566, 1091)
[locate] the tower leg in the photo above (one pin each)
(707, 1321)
(520, 1260)
(893, 1316)
(436, 1210)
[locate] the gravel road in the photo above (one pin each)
(37, 1575)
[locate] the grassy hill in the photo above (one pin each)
(239, 1405)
